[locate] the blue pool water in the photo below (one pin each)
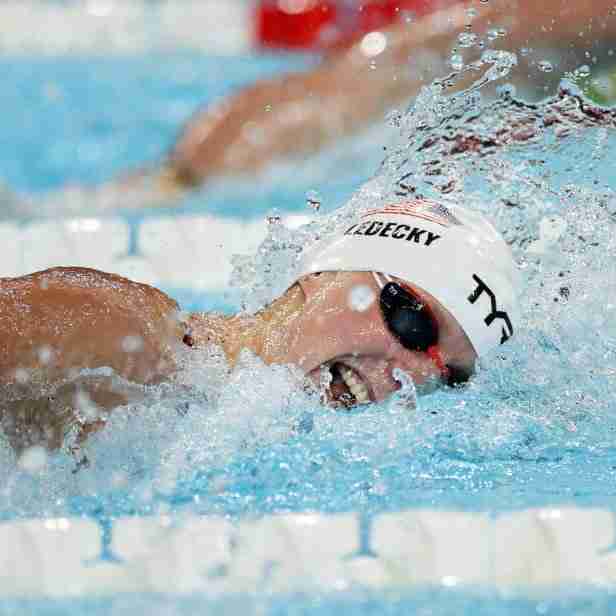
(83, 120)
(429, 603)
(536, 427)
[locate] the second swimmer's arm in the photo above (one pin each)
(299, 113)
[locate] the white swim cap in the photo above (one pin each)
(454, 254)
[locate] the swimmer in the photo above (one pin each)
(294, 115)
(437, 287)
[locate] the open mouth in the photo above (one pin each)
(346, 388)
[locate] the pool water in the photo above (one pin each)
(82, 120)
(536, 427)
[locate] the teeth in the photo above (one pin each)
(358, 389)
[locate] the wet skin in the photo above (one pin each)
(54, 324)
(314, 325)
(330, 330)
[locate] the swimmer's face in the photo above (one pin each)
(342, 334)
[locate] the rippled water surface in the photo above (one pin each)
(537, 426)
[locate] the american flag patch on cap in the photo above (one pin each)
(419, 208)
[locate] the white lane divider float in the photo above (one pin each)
(180, 252)
(220, 27)
(530, 552)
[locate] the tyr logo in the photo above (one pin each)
(482, 288)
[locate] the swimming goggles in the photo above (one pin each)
(411, 321)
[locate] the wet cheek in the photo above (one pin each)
(422, 370)
(374, 339)
(396, 352)
(417, 365)
(322, 337)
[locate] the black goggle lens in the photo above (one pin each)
(408, 318)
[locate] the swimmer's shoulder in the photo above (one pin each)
(90, 319)
(86, 281)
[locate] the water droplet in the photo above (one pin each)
(406, 396)
(582, 71)
(86, 409)
(132, 344)
(361, 298)
(407, 16)
(313, 200)
(495, 33)
(471, 13)
(457, 62)
(33, 459)
(545, 66)
(524, 51)
(45, 354)
(394, 118)
(325, 381)
(467, 39)
(22, 376)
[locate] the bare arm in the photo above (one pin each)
(56, 323)
(65, 319)
(298, 113)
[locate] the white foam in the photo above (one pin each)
(531, 552)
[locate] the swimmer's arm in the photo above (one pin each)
(297, 114)
(57, 326)
(57, 322)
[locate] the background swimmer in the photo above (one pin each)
(297, 114)
(75, 341)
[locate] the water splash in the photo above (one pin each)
(534, 426)
(406, 397)
(361, 298)
(542, 173)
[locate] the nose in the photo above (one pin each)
(379, 372)
(419, 365)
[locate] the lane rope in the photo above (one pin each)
(531, 552)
